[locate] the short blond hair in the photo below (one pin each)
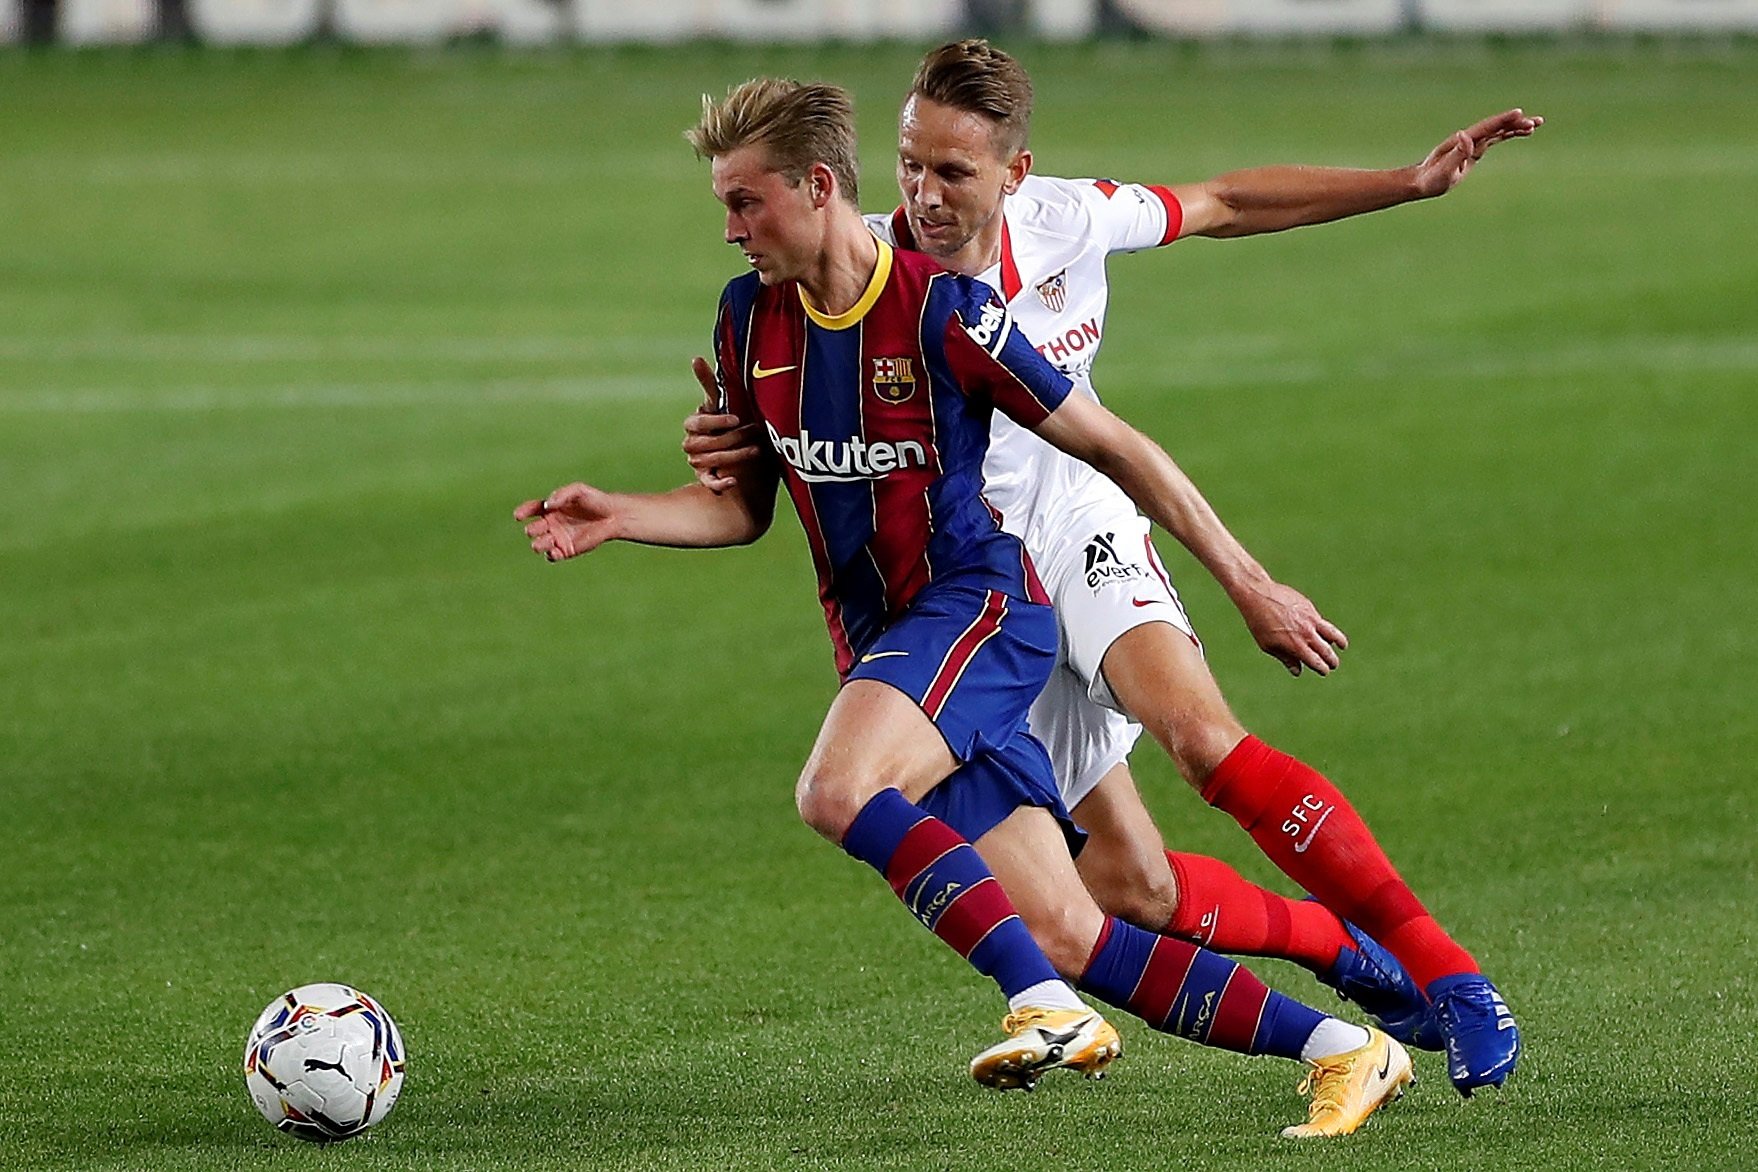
(976, 77)
(799, 123)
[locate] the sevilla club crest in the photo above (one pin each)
(1054, 292)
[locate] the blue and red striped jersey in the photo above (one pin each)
(878, 420)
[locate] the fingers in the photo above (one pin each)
(705, 375)
(711, 423)
(1515, 123)
(527, 511)
(721, 440)
(1333, 634)
(707, 459)
(715, 482)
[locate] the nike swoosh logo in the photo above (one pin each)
(1051, 1039)
(1387, 1067)
(757, 370)
(871, 656)
(1300, 847)
(1143, 601)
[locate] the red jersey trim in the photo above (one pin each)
(1010, 282)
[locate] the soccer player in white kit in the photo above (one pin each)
(1128, 650)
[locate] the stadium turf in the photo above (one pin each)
(283, 697)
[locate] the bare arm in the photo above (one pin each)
(578, 518)
(1282, 620)
(1271, 199)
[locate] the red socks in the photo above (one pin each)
(1308, 829)
(1220, 909)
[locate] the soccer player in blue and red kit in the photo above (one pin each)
(873, 374)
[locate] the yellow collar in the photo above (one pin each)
(842, 321)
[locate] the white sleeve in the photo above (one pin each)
(887, 227)
(1131, 216)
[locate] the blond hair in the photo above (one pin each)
(799, 124)
(976, 77)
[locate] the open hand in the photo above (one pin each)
(570, 521)
(1453, 159)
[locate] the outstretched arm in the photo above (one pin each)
(1282, 620)
(578, 518)
(1271, 199)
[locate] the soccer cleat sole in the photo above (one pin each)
(1018, 1063)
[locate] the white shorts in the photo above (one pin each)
(1102, 586)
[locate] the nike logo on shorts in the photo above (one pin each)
(872, 655)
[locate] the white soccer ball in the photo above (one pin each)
(324, 1062)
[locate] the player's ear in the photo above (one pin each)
(821, 184)
(1018, 168)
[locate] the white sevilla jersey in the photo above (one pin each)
(1056, 235)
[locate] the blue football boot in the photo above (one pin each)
(1374, 979)
(1482, 1041)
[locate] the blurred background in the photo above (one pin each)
(280, 22)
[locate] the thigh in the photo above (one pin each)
(1163, 681)
(874, 738)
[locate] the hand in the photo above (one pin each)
(570, 521)
(1289, 627)
(714, 442)
(1449, 162)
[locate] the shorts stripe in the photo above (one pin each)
(958, 657)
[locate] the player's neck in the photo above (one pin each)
(980, 253)
(844, 267)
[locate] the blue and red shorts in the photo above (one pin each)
(974, 660)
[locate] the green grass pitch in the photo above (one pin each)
(284, 698)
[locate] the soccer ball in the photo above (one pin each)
(324, 1062)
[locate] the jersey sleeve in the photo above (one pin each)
(991, 359)
(731, 326)
(1131, 216)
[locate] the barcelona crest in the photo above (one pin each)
(1054, 292)
(894, 380)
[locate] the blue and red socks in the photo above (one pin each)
(1193, 993)
(949, 888)
(1309, 829)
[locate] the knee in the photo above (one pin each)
(1148, 899)
(1198, 745)
(828, 803)
(1143, 892)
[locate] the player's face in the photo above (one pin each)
(952, 173)
(773, 221)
